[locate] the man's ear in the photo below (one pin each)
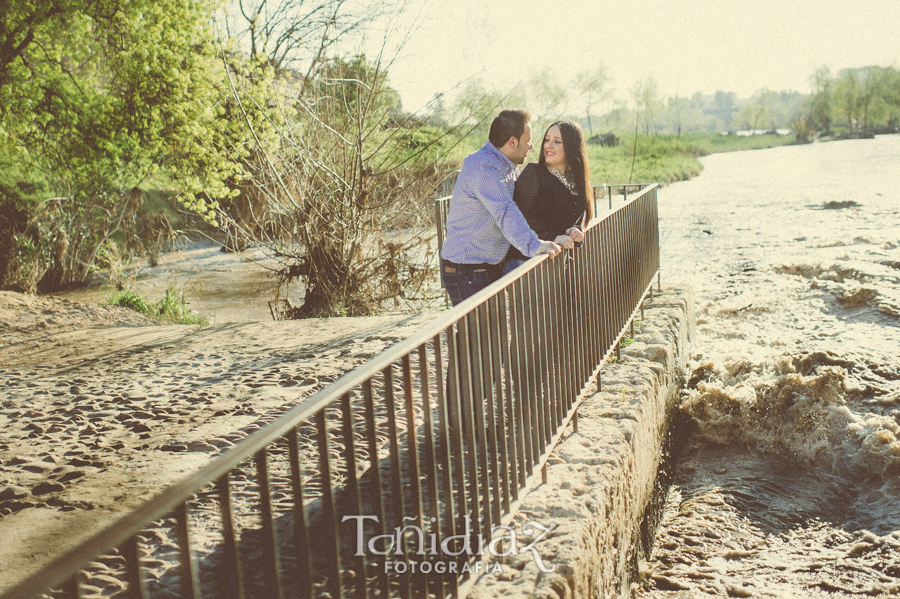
(512, 142)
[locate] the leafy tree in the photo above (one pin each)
(722, 108)
(678, 108)
(847, 98)
(873, 106)
(592, 85)
(98, 96)
(821, 101)
(548, 99)
(476, 106)
(645, 95)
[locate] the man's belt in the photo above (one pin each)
(478, 267)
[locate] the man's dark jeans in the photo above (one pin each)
(465, 280)
(462, 281)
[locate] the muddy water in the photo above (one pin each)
(788, 481)
(218, 286)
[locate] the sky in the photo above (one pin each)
(686, 47)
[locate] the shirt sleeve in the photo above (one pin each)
(493, 193)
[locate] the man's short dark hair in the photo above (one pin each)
(509, 123)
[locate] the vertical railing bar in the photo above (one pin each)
(412, 470)
(467, 407)
(137, 586)
(430, 477)
(546, 326)
(412, 448)
(571, 336)
(480, 385)
(355, 495)
(301, 524)
(518, 311)
(232, 579)
(271, 559)
(620, 270)
(588, 292)
(582, 322)
(71, 589)
(565, 342)
(328, 507)
(454, 416)
(494, 396)
(444, 447)
(396, 472)
(188, 575)
(527, 368)
(377, 494)
(596, 288)
(540, 367)
(573, 331)
(509, 432)
(555, 358)
(534, 367)
(609, 286)
(532, 344)
(615, 272)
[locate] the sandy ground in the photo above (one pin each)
(101, 407)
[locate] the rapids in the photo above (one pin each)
(787, 478)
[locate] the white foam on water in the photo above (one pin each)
(790, 481)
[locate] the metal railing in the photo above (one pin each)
(619, 188)
(407, 463)
(442, 204)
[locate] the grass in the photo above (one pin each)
(169, 309)
(643, 158)
(667, 158)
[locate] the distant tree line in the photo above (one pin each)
(855, 101)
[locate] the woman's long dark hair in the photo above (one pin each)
(576, 162)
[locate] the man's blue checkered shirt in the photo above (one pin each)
(483, 220)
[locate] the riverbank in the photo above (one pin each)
(603, 496)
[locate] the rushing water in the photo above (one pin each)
(788, 484)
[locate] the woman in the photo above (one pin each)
(554, 194)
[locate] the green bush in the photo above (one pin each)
(170, 309)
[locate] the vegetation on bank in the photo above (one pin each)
(171, 308)
(124, 125)
(641, 158)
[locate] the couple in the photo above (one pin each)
(499, 218)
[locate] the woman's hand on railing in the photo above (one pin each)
(565, 241)
(576, 234)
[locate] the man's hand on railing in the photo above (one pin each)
(548, 247)
(565, 241)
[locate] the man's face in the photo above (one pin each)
(523, 146)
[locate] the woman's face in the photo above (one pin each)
(554, 153)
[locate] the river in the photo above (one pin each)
(787, 481)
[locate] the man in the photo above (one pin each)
(483, 220)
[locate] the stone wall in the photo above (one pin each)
(602, 490)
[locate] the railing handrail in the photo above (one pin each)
(62, 568)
